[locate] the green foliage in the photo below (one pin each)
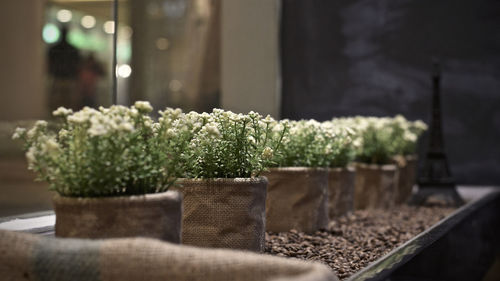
(309, 143)
(406, 134)
(379, 139)
(94, 153)
(221, 144)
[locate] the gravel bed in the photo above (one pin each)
(353, 241)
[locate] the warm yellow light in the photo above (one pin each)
(124, 70)
(88, 21)
(109, 27)
(64, 15)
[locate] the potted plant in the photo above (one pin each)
(222, 156)
(341, 174)
(376, 175)
(297, 196)
(109, 172)
(406, 134)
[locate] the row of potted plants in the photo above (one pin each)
(231, 176)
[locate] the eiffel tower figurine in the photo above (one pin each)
(436, 179)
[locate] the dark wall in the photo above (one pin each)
(365, 57)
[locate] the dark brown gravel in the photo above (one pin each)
(352, 242)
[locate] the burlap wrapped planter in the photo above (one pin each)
(34, 257)
(224, 213)
(375, 186)
(407, 173)
(297, 198)
(341, 191)
(152, 215)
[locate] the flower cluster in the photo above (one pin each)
(378, 139)
(121, 151)
(221, 144)
(106, 152)
(406, 134)
(309, 143)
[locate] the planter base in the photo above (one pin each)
(151, 215)
(297, 198)
(224, 213)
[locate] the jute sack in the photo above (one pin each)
(155, 215)
(375, 186)
(340, 191)
(297, 198)
(29, 257)
(407, 166)
(224, 213)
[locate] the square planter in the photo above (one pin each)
(375, 186)
(155, 215)
(407, 173)
(341, 191)
(297, 198)
(224, 213)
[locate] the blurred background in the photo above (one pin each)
(288, 58)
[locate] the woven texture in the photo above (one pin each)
(407, 174)
(375, 186)
(224, 213)
(297, 199)
(29, 257)
(152, 215)
(340, 191)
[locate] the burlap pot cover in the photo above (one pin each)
(340, 191)
(224, 213)
(297, 198)
(32, 257)
(152, 215)
(375, 186)
(407, 166)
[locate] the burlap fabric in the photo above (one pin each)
(151, 215)
(407, 166)
(340, 191)
(224, 213)
(297, 198)
(375, 186)
(28, 257)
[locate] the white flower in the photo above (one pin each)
(155, 126)
(148, 123)
(63, 133)
(18, 133)
(97, 130)
(83, 115)
(62, 111)
(134, 112)
(212, 130)
(410, 137)
(41, 123)
(30, 156)
(278, 128)
(126, 127)
(143, 106)
(77, 119)
(170, 133)
(32, 132)
(50, 146)
(268, 119)
(328, 149)
(267, 153)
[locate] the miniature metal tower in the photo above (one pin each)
(435, 178)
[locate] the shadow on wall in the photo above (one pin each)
(374, 58)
